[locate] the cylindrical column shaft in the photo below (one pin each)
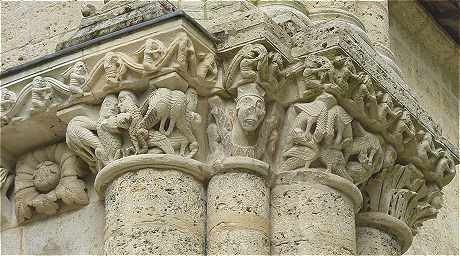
(313, 212)
(373, 241)
(374, 15)
(155, 212)
(238, 214)
(155, 204)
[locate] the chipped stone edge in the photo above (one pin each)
(159, 162)
(387, 223)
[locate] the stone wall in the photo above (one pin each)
(32, 29)
(428, 59)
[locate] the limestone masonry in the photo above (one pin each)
(228, 127)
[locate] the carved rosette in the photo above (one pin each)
(47, 180)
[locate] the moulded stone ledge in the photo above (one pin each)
(133, 163)
(321, 176)
(242, 164)
(389, 224)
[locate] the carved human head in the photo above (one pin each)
(7, 97)
(250, 106)
(80, 68)
(126, 100)
(154, 47)
(39, 82)
(327, 98)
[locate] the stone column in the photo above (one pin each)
(342, 12)
(238, 208)
(155, 204)
(313, 212)
(381, 234)
(375, 17)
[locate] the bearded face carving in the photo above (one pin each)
(250, 106)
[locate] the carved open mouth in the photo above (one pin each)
(250, 122)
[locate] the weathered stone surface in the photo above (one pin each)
(155, 212)
(310, 215)
(285, 111)
(372, 241)
(238, 214)
(116, 18)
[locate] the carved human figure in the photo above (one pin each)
(207, 66)
(276, 74)
(42, 95)
(250, 112)
(76, 77)
(315, 68)
(81, 139)
(130, 118)
(107, 130)
(114, 67)
(444, 170)
(246, 65)
(152, 52)
(363, 93)
(8, 99)
(425, 146)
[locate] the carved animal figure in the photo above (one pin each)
(338, 129)
(369, 151)
(42, 95)
(131, 119)
(313, 115)
(425, 147)
(178, 107)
